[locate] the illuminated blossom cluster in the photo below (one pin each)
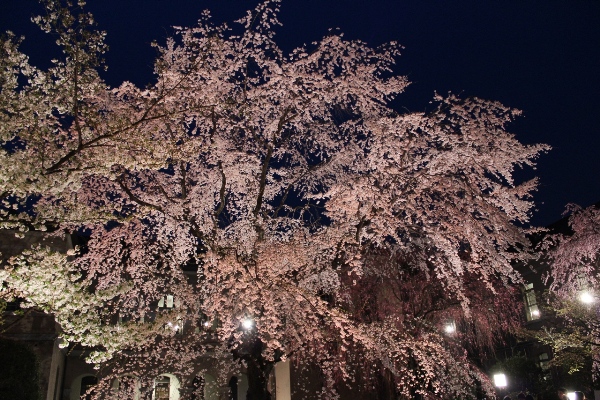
(573, 277)
(245, 183)
(574, 254)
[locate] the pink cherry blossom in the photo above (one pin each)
(247, 184)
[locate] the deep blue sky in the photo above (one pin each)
(542, 57)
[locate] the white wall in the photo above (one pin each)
(282, 381)
(57, 367)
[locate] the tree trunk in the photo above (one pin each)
(257, 368)
(258, 378)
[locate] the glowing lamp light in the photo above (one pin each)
(500, 380)
(247, 324)
(450, 328)
(175, 327)
(586, 298)
(535, 313)
(206, 323)
(571, 395)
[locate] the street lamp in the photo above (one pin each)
(247, 324)
(500, 381)
(175, 327)
(450, 328)
(586, 297)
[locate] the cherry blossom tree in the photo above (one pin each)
(572, 256)
(266, 193)
(430, 317)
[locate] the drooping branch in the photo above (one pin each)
(183, 180)
(265, 166)
(134, 198)
(263, 179)
(221, 206)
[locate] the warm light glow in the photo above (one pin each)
(500, 380)
(571, 395)
(450, 328)
(175, 327)
(586, 298)
(247, 324)
(535, 313)
(207, 324)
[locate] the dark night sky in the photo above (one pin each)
(542, 57)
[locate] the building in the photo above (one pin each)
(540, 317)
(34, 366)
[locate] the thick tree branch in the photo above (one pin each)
(136, 199)
(221, 206)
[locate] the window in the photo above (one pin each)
(544, 360)
(175, 326)
(531, 306)
(162, 388)
(166, 387)
(166, 302)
